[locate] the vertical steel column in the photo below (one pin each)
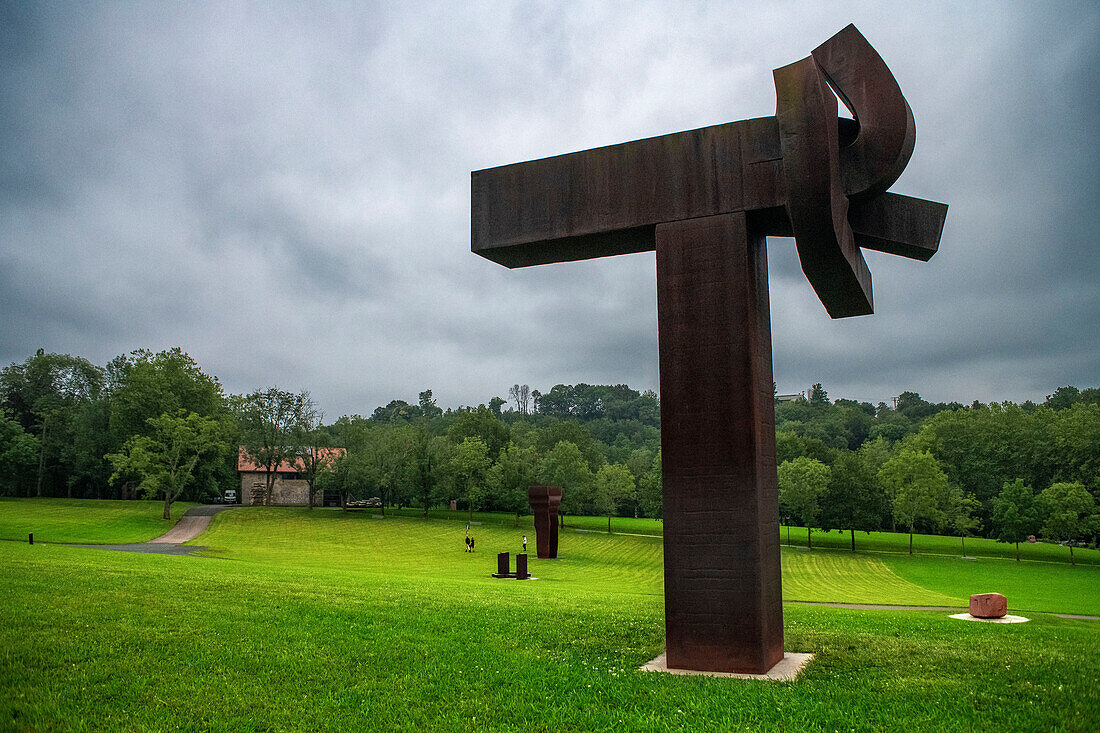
(723, 592)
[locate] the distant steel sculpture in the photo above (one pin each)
(705, 200)
(545, 501)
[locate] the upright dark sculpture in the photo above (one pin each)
(545, 501)
(705, 200)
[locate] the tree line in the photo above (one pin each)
(1001, 470)
(71, 428)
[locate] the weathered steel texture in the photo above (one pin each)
(607, 201)
(705, 200)
(723, 595)
(545, 501)
(886, 131)
(604, 201)
(898, 225)
(816, 205)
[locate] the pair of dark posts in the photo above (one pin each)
(706, 200)
(503, 565)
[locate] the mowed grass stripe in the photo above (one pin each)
(433, 549)
(846, 578)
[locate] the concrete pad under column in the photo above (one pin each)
(786, 670)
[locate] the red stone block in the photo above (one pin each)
(988, 605)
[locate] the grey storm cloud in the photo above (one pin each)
(282, 189)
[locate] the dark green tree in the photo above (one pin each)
(614, 484)
(565, 466)
(1063, 397)
(510, 478)
(165, 460)
(470, 462)
(18, 457)
(1014, 514)
(651, 489)
(853, 499)
(480, 422)
(269, 420)
(919, 488)
(1069, 510)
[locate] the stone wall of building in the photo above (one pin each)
(285, 492)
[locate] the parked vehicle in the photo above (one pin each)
(230, 496)
(372, 503)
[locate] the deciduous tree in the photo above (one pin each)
(165, 459)
(18, 456)
(853, 498)
(511, 476)
(801, 484)
(651, 489)
(1014, 514)
(269, 420)
(1069, 514)
(919, 489)
(960, 511)
(614, 483)
(564, 466)
(470, 462)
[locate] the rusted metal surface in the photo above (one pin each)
(705, 200)
(816, 205)
(545, 501)
(723, 595)
(885, 131)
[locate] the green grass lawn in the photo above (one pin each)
(298, 620)
(86, 521)
(931, 544)
(888, 542)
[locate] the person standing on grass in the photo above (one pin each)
(471, 544)
(525, 543)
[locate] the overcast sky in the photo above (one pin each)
(282, 190)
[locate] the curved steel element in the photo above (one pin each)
(886, 131)
(817, 206)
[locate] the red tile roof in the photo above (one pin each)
(245, 464)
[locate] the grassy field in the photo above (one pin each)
(86, 521)
(890, 542)
(298, 620)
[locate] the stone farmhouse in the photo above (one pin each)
(289, 489)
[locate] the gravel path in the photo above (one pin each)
(193, 523)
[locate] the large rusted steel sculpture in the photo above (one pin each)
(545, 501)
(705, 200)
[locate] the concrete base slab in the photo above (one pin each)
(512, 577)
(1008, 619)
(786, 670)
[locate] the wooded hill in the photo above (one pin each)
(71, 428)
